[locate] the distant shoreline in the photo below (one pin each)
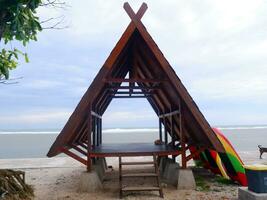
(126, 130)
(36, 144)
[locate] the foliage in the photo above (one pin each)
(8, 61)
(18, 21)
(224, 181)
(13, 186)
(201, 184)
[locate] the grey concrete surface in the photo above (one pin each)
(89, 182)
(245, 194)
(186, 180)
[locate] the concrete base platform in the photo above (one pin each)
(89, 182)
(186, 180)
(169, 171)
(100, 167)
(245, 194)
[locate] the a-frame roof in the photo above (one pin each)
(138, 56)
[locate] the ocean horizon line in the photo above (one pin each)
(127, 130)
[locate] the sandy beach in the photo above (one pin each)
(58, 178)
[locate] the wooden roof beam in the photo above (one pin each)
(133, 93)
(133, 87)
(130, 97)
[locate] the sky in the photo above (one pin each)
(217, 48)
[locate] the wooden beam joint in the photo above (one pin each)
(96, 115)
(73, 155)
(169, 114)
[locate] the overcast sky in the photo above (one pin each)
(217, 48)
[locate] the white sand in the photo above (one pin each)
(57, 179)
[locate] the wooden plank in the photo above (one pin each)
(139, 175)
(132, 93)
(172, 130)
(158, 175)
(160, 130)
(89, 145)
(160, 97)
(76, 138)
(134, 154)
(182, 139)
(74, 156)
(138, 163)
(132, 80)
(130, 97)
(82, 145)
(98, 132)
(79, 150)
(140, 188)
(133, 87)
(100, 127)
(133, 149)
(165, 131)
(120, 177)
(93, 131)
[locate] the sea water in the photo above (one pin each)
(36, 143)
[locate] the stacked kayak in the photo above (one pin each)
(227, 164)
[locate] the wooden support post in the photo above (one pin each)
(100, 127)
(182, 138)
(160, 130)
(165, 131)
(89, 145)
(172, 130)
(172, 134)
(93, 129)
(97, 132)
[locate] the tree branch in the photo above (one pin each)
(56, 25)
(55, 4)
(10, 81)
(2, 23)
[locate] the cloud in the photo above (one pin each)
(217, 116)
(217, 48)
(249, 85)
(43, 84)
(31, 119)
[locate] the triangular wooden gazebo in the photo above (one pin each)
(136, 60)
